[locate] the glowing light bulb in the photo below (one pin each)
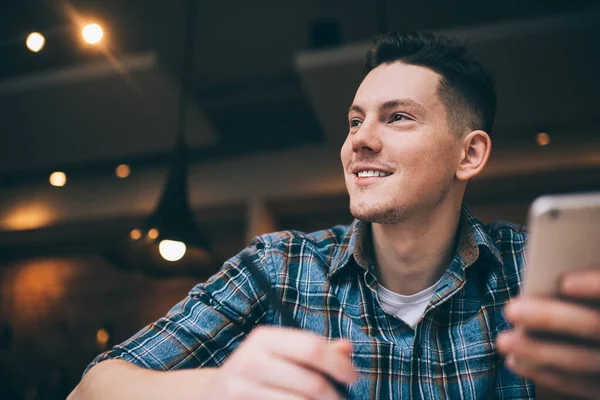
(135, 234)
(153, 233)
(92, 33)
(171, 250)
(123, 171)
(58, 179)
(35, 41)
(102, 336)
(543, 139)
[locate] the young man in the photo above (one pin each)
(411, 296)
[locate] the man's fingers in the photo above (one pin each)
(296, 379)
(343, 346)
(307, 349)
(583, 284)
(245, 390)
(555, 316)
(586, 388)
(544, 354)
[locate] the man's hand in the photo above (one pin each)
(280, 363)
(571, 366)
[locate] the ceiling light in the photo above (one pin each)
(35, 41)
(58, 179)
(92, 33)
(543, 139)
(171, 250)
(174, 244)
(123, 171)
(102, 336)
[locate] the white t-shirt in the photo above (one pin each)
(409, 309)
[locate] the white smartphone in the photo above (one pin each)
(564, 234)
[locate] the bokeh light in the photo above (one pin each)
(58, 179)
(171, 250)
(35, 41)
(543, 139)
(102, 336)
(123, 171)
(27, 215)
(92, 33)
(135, 234)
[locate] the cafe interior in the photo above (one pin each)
(145, 143)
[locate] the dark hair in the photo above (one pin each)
(466, 87)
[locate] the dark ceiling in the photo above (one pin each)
(246, 87)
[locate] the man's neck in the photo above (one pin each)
(413, 255)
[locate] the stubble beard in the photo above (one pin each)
(380, 213)
(393, 211)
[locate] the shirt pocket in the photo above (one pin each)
(462, 357)
(384, 370)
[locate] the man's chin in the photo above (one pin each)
(376, 215)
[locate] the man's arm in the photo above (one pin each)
(272, 364)
(176, 356)
(118, 379)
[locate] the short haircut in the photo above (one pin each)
(466, 87)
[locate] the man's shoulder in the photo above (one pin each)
(509, 241)
(322, 249)
(501, 237)
(325, 238)
(506, 231)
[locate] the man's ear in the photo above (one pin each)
(475, 152)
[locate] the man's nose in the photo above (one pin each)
(366, 138)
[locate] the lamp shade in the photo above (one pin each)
(170, 241)
(170, 227)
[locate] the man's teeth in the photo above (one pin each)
(366, 174)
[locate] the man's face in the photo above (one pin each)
(399, 129)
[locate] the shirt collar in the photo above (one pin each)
(356, 244)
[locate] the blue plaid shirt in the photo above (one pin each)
(329, 282)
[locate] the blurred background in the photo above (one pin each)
(93, 139)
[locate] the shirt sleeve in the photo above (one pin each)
(204, 328)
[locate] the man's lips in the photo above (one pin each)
(370, 173)
(369, 178)
(365, 181)
(365, 170)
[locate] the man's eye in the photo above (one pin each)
(399, 117)
(354, 123)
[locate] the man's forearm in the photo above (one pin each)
(117, 379)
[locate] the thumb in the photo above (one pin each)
(343, 346)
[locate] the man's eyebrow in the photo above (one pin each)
(402, 102)
(355, 108)
(391, 104)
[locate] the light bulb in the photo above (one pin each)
(102, 336)
(58, 179)
(123, 171)
(135, 234)
(171, 250)
(543, 139)
(35, 41)
(92, 33)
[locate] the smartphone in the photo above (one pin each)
(564, 234)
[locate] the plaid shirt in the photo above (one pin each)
(329, 282)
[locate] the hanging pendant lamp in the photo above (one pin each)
(170, 242)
